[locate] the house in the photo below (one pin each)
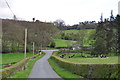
(76, 47)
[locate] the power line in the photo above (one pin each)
(10, 9)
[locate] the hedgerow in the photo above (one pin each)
(86, 70)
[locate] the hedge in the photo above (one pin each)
(89, 70)
(7, 72)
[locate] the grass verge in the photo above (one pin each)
(25, 73)
(66, 75)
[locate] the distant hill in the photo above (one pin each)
(79, 26)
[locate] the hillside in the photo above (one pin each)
(13, 34)
(82, 36)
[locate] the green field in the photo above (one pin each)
(63, 43)
(13, 57)
(113, 59)
(70, 31)
(78, 59)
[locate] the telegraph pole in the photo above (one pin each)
(33, 47)
(25, 47)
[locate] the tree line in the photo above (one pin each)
(86, 25)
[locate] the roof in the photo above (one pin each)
(76, 45)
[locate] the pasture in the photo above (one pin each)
(13, 58)
(70, 31)
(87, 58)
(63, 43)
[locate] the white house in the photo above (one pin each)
(76, 47)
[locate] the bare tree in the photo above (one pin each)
(59, 23)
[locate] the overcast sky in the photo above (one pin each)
(71, 11)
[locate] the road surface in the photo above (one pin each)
(42, 68)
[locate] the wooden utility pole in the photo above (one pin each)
(25, 43)
(33, 47)
(25, 47)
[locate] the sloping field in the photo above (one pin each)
(63, 43)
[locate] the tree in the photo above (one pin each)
(105, 38)
(52, 44)
(99, 40)
(33, 19)
(81, 36)
(117, 22)
(59, 23)
(111, 17)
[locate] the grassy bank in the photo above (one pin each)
(62, 72)
(25, 73)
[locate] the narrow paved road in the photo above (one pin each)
(42, 68)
